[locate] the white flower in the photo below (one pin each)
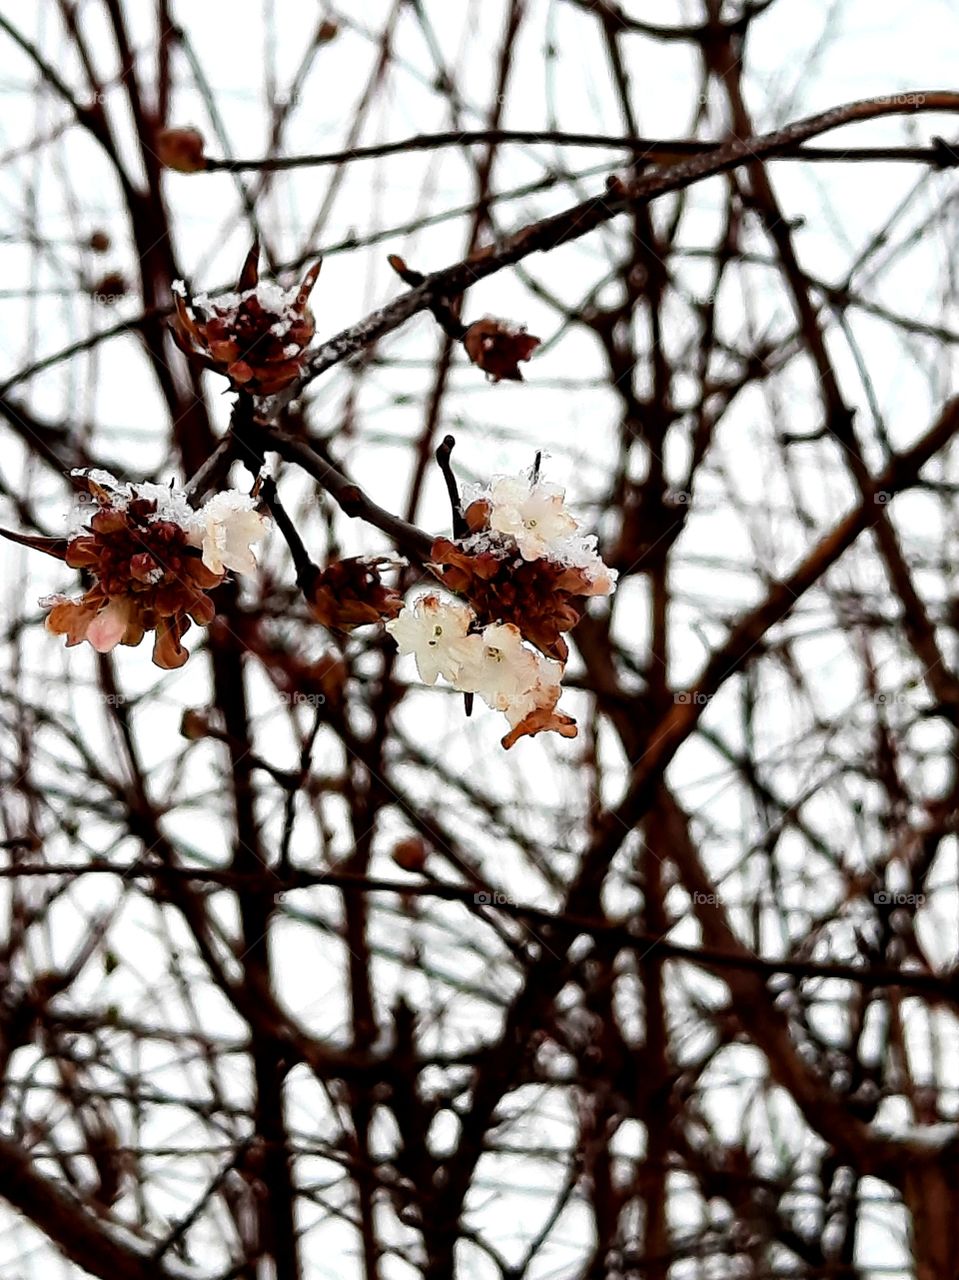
(531, 513)
(225, 527)
(542, 692)
(432, 630)
(496, 665)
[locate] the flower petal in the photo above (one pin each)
(109, 626)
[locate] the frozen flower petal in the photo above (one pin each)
(535, 710)
(225, 529)
(168, 653)
(532, 513)
(543, 689)
(70, 618)
(539, 720)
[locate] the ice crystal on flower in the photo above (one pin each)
(224, 529)
(531, 512)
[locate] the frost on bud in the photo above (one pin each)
(181, 149)
(350, 593)
(255, 336)
(497, 347)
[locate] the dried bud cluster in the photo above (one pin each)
(497, 347)
(526, 572)
(152, 561)
(350, 593)
(256, 336)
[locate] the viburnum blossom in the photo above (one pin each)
(224, 529)
(152, 559)
(526, 572)
(495, 569)
(494, 663)
(431, 629)
(530, 512)
(544, 598)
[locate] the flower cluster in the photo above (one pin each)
(525, 571)
(493, 663)
(497, 347)
(525, 561)
(350, 593)
(255, 336)
(152, 560)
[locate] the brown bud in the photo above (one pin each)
(477, 515)
(181, 150)
(194, 724)
(405, 273)
(497, 348)
(411, 853)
